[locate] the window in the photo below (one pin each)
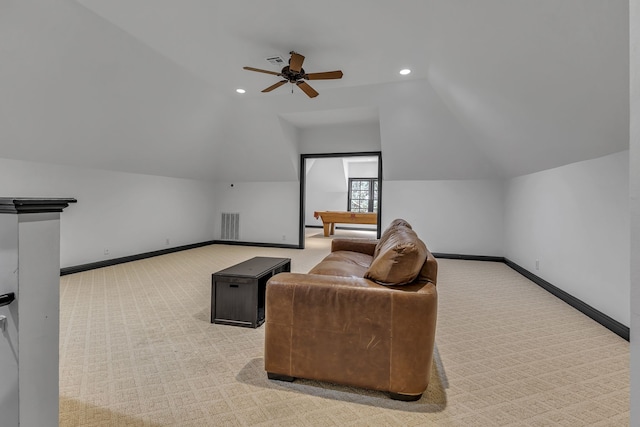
(363, 195)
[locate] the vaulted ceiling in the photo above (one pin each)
(498, 88)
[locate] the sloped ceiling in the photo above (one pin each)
(499, 88)
(538, 83)
(74, 89)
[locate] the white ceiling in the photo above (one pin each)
(499, 88)
(369, 41)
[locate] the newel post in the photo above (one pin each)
(30, 310)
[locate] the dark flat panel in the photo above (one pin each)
(234, 301)
(254, 267)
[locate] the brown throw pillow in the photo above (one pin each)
(399, 222)
(400, 258)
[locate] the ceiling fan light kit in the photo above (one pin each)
(295, 74)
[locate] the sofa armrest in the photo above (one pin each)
(365, 246)
(350, 330)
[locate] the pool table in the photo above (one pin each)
(330, 218)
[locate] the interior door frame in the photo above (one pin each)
(303, 182)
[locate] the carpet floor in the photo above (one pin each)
(137, 349)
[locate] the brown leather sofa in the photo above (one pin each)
(365, 316)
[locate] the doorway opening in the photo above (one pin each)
(353, 188)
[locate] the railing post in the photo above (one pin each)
(29, 310)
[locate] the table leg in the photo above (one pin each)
(325, 226)
(332, 228)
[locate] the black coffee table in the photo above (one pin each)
(237, 292)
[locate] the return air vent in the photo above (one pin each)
(230, 226)
(277, 61)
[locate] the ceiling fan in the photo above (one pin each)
(295, 74)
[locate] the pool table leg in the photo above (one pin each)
(332, 228)
(325, 226)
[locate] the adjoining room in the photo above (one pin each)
(344, 190)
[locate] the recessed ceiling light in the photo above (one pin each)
(240, 90)
(405, 71)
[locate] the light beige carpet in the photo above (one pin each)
(137, 349)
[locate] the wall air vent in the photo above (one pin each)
(277, 61)
(230, 226)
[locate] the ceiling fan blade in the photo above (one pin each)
(262, 71)
(311, 92)
(327, 75)
(275, 86)
(295, 63)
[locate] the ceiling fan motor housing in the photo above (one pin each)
(292, 76)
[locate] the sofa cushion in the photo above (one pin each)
(399, 222)
(350, 257)
(343, 263)
(400, 258)
(338, 268)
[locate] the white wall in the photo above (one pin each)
(269, 211)
(326, 188)
(125, 213)
(575, 220)
(460, 217)
(363, 169)
(340, 138)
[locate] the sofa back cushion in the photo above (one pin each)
(399, 257)
(343, 263)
